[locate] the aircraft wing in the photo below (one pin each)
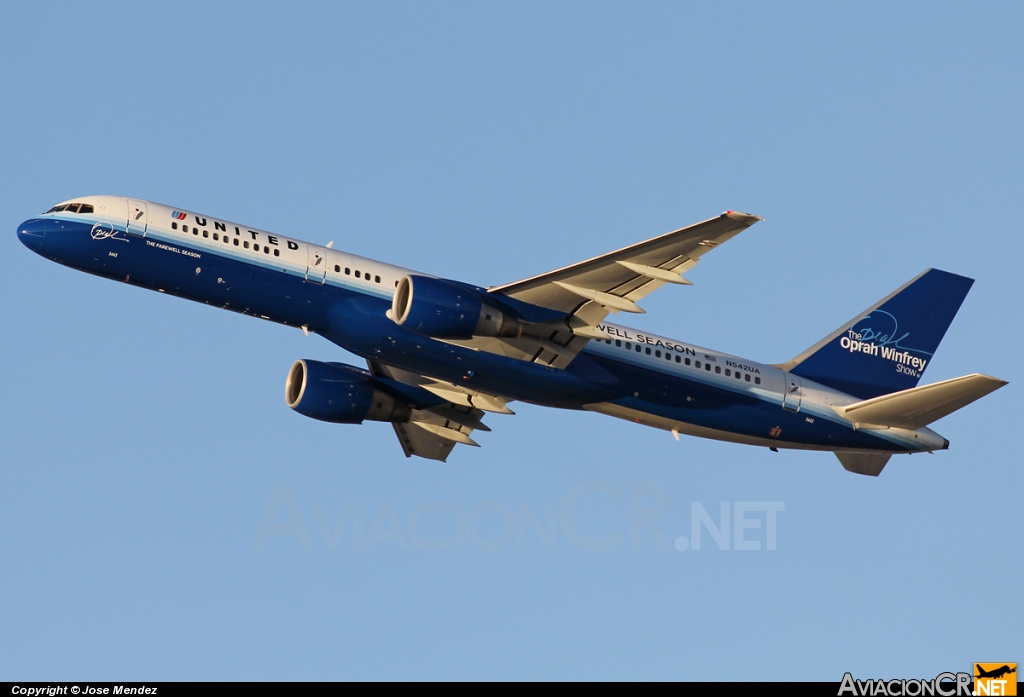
(433, 431)
(613, 282)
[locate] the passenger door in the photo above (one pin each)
(316, 264)
(138, 216)
(792, 393)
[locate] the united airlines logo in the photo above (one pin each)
(879, 334)
(178, 215)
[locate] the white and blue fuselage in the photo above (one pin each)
(653, 380)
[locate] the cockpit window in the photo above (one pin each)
(72, 208)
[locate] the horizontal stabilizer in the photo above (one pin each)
(869, 464)
(919, 406)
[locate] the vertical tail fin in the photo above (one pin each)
(887, 347)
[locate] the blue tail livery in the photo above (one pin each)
(887, 347)
(441, 354)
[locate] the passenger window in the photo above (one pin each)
(216, 237)
(195, 231)
(678, 359)
(657, 354)
(235, 241)
(707, 367)
(206, 233)
(718, 369)
(757, 381)
(337, 269)
(628, 346)
(266, 249)
(728, 373)
(184, 228)
(357, 274)
(376, 279)
(747, 377)
(687, 361)
(738, 375)
(618, 342)
(697, 364)
(256, 247)
(348, 271)
(174, 226)
(277, 252)
(246, 244)
(638, 348)
(648, 350)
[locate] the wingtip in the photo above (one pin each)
(740, 215)
(998, 381)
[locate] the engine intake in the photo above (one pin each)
(445, 310)
(339, 394)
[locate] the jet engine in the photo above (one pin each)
(445, 310)
(340, 394)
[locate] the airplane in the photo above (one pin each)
(995, 673)
(441, 353)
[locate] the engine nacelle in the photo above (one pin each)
(444, 310)
(339, 394)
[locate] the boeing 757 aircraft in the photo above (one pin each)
(440, 353)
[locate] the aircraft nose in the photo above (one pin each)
(32, 233)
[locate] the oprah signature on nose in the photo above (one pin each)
(105, 231)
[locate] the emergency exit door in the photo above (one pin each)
(791, 395)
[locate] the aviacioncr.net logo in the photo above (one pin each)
(995, 679)
(943, 685)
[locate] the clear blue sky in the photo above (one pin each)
(143, 439)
